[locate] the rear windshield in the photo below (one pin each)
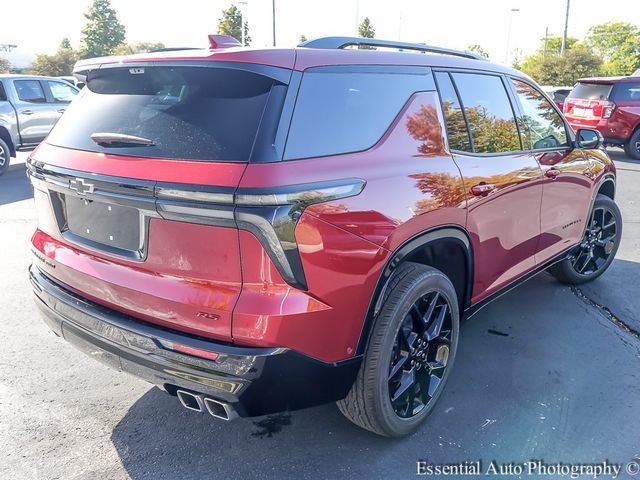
(193, 113)
(591, 91)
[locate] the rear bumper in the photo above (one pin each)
(611, 135)
(255, 381)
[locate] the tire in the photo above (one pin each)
(592, 257)
(632, 147)
(5, 156)
(369, 404)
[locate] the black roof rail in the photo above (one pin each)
(174, 49)
(333, 43)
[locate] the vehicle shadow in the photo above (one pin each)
(14, 185)
(522, 387)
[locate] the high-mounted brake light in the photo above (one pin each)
(222, 41)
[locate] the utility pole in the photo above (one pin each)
(273, 6)
(566, 26)
(546, 38)
(506, 53)
(357, 16)
(242, 22)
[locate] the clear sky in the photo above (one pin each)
(39, 25)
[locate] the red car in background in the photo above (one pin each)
(610, 105)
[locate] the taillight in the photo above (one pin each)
(603, 109)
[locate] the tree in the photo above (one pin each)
(554, 45)
(5, 65)
(142, 47)
(61, 63)
(577, 62)
(548, 67)
(231, 24)
(618, 44)
(302, 39)
(475, 48)
(103, 32)
(366, 30)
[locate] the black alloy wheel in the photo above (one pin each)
(420, 355)
(598, 243)
(591, 258)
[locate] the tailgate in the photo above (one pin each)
(120, 243)
(134, 187)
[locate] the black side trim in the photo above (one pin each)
(437, 234)
(475, 308)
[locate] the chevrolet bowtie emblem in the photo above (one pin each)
(80, 186)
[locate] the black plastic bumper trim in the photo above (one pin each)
(256, 381)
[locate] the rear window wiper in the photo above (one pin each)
(120, 140)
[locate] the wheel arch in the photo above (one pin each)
(607, 187)
(446, 247)
(6, 136)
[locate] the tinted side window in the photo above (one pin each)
(626, 92)
(543, 126)
(3, 95)
(341, 110)
(30, 91)
(61, 92)
(489, 113)
(457, 131)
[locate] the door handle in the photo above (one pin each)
(552, 173)
(482, 189)
(27, 112)
(61, 110)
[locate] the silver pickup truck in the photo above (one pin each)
(29, 108)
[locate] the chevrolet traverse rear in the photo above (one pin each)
(265, 230)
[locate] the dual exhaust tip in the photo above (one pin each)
(200, 403)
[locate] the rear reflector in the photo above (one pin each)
(196, 352)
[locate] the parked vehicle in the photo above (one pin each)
(72, 80)
(265, 230)
(610, 105)
(557, 94)
(29, 107)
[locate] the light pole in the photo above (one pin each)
(242, 22)
(273, 18)
(564, 35)
(506, 53)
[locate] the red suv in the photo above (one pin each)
(612, 106)
(264, 230)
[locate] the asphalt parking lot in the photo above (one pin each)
(546, 372)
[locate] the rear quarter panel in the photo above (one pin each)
(412, 185)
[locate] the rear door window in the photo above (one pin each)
(192, 113)
(543, 126)
(590, 91)
(30, 91)
(348, 109)
(626, 92)
(61, 92)
(457, 132)
(489, 113)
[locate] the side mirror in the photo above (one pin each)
(587, 138)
